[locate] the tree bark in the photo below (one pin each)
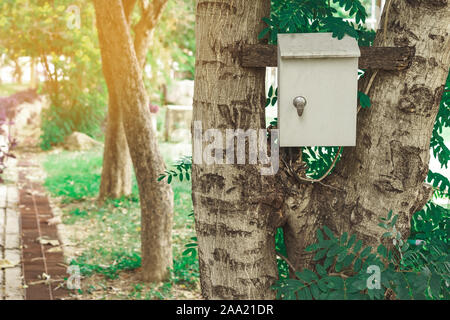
(387, 168)
(235, 208)
(145, 28)
(116, 180)
(117, 166)
(233, 215)
(124, 79)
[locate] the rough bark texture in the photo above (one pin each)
(124, 79)
(237, 210)
(233, 216)
(387, 168)
(117, 166)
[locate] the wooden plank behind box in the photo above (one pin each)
(385, 58)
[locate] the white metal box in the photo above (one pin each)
(323, 71)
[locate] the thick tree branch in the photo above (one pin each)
(128, 6)
(151, 12)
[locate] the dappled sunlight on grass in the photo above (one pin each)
(109, 238)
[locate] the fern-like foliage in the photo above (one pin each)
(308, 16)
(440, 151)
(344, 265)
(182, 170)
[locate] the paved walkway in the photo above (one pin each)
(11, 282)
(28, 240)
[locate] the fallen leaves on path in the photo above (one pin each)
(45, 240)
(7, 264)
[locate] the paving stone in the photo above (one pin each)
(3, 192)
(1, 284)
(12, 221)
(13, 255)
(12, 197)
(14, 284)
(26, 213)
(12, 241)
(2, 229)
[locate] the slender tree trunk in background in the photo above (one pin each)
(387, 168)
(18, 71)
(124, 79)
(33, 74)
(117, 168)
(232, 211)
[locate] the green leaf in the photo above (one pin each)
(382, 250)
(312, 247)
(315, 291)
(328, 232)
(328, 262)
(389, 215)
(274, 100)
(321, 270)
(304, 294)
(263, 33)
(435, 285)
(394, 221)
(364, 100)
(348, 260)
(344, 238)
(357, 265)
(358, 246)
(366, 251)
(307, 275)
(319, 235)
(320, 254)
(333, 250)
(351, 241)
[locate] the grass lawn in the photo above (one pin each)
(7, 89)
(109, 234)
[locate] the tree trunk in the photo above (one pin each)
(124, 79)
(34, 78)
(387, 168)
(117, 167)
(18, 73)
(235, 207)
(233, 216)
